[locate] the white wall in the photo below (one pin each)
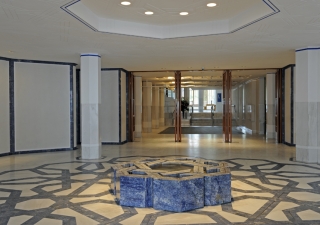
(123, 106)
(42, 106)
(4, 108)
(109, 112)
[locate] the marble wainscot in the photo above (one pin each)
(175, 184)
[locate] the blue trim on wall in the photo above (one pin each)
(283, 104)
(291, 67)
(38, 151)
(120, 113)
(289, 144)
(307, 49)
(292, 104)
(11, 102)
(108, 69)
(93, 55)
(71, 109)
(267, 2)
(127, 106)
(43, 62)
(114, 143)
(5, 59)
(288, 66)
(78, 106)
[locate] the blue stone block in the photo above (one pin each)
(178, 195)
(149, 192)
(217, 189)
(135, 191)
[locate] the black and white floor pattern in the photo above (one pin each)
(78, 192)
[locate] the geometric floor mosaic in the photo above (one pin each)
(78, 192)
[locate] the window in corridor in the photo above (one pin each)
(210, 97)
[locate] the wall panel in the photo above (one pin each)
(75, 107)
(42, 106)
(109, 112)
(4, 109)
(123, 107)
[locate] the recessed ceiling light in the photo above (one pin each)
(184, 13)
(148, 13)
(211, 4)
(125, 3)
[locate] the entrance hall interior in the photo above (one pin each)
(86, 85)
(203, 93)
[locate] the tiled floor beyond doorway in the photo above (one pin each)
(56, 188)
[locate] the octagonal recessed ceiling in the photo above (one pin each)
(110, 16)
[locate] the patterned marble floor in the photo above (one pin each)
(78, 192)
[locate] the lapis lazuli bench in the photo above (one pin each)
(174, 184)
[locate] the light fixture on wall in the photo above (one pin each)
(148, 13)
(184, 13)
(211, 4)
(125, 3)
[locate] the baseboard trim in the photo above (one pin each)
(38, 151)
(289, 144)
(114, 143)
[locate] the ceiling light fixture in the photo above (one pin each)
(125, 3)
(211, 4)
(184, 13)
(148, 13)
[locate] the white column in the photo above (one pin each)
(146, 107)
(201, 95)
(253, 98)
(307, 103)
(240, 121)
(90, 106)
(270, 99)
(155, 107)
(161, 107)
(138, 106)
(187, 94)
(261, 106)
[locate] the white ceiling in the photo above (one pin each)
(166, 22)
(166, 12)
(41, 30)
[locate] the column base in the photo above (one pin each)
(307, 154)
(271, 135)
(137, 134)
(147, 130)
(146, 127)
(155, 124)
(161, 122)
(91, 151)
